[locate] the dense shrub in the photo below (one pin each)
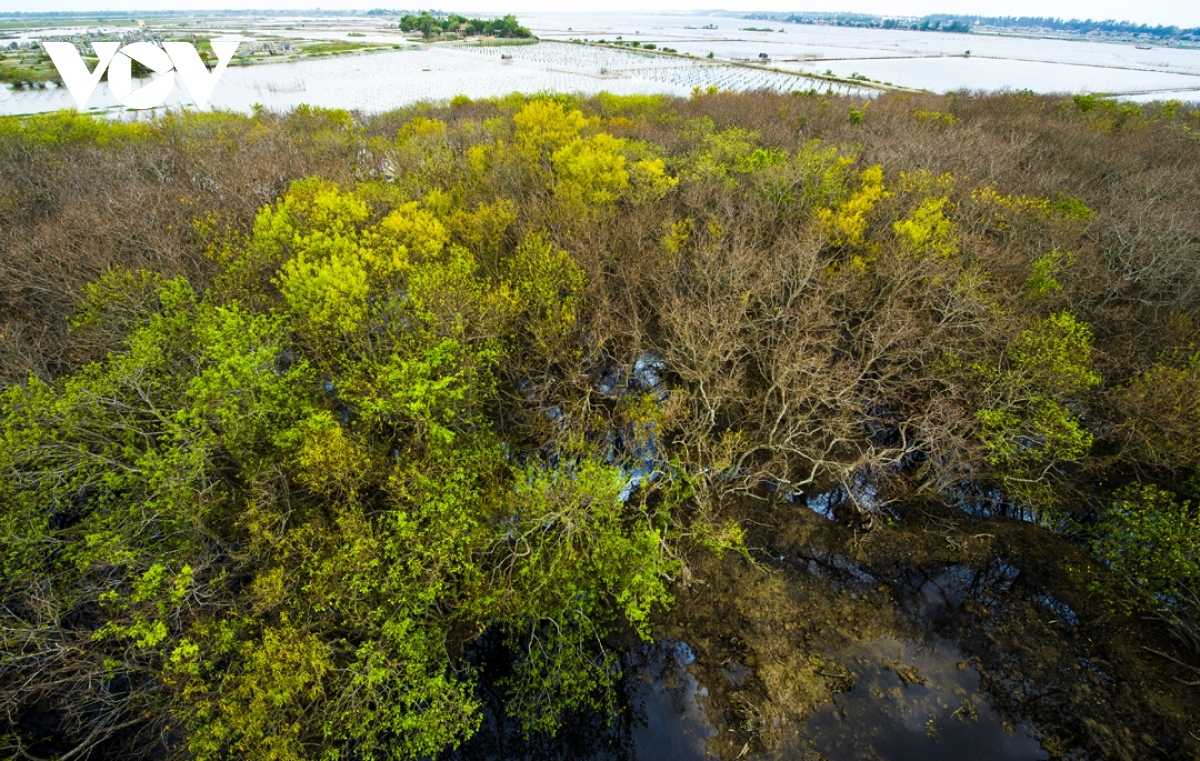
(297, 405)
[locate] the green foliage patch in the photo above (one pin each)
(383, 384)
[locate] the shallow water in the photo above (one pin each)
(383, 81)
(986, 74)
(911, 701)
(667, 720)
(821, 662)
(923, 60)
(948, 642)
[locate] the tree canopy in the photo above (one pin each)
(315, 425)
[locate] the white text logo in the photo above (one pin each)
(179, 58)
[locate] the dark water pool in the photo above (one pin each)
(909, 702)
(905, 701)
(957, 641)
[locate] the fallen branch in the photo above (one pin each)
(1187, 682)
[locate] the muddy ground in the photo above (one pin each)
(937, 637)
(822, 625)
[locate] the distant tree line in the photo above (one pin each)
(25, 76)
(942, 22)
(145, 14)
(1077, 26)
(867, 21)
(832, 19)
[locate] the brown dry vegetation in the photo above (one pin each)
(78, 203)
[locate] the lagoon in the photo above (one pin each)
(799, 55)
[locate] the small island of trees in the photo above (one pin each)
(430, 26)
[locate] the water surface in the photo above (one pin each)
(934, 61)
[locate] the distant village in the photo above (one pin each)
(83, 42)
(25, 65)
(1116, 31)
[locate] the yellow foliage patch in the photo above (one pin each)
(847, 224)
(928, 232)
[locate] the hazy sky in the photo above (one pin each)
(1179, 12)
